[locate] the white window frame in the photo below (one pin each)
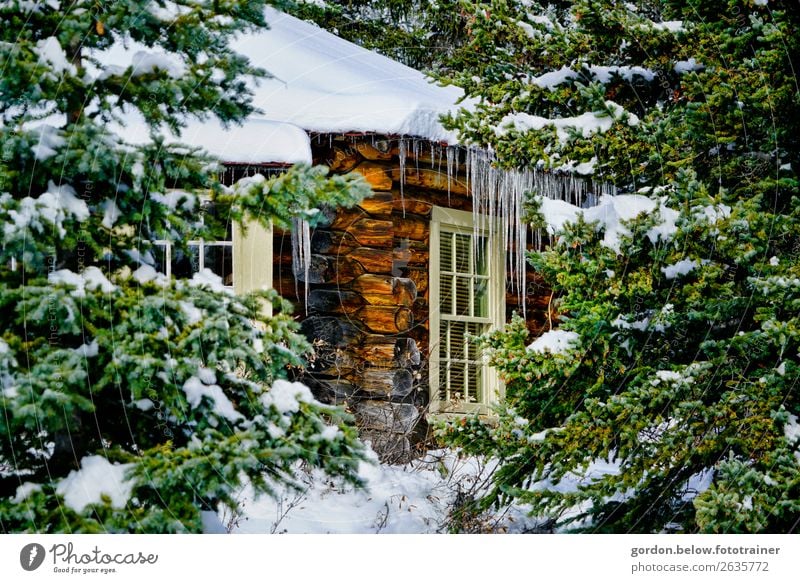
(201, 244)
(449, 221)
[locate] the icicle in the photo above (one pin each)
(301, 255)
(401, 156)
(501, 194)
(450, 153)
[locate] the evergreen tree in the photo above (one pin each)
(421, 34)
(682, 324)
(132, 402)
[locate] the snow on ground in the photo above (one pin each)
(414, 498)
(409, 499)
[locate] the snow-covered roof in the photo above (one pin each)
(321, 83)
(326, 84)
(257, 141)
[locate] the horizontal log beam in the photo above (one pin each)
(345, 218)
(376, 350)
(379, 205)
(385, 382)
(379, 177)
(385, 319)
(373, 233)
(332, 242)
(371, 152)
(373, 260)
(331, 331)
(408, 203)
(334, 301)
(433, 179)
(343, 159)
(409, 227)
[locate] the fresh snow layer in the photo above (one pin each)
(207, 278)
(682, 267)
(147, 273)
(326, 84)
(197, 388)
(585, 125)
(286, 397)
(51, 53)
(414, 498)
(90, 278)
(58, 204)
(50, 139)
(554, 341)
(257, 141)
(609, 215)
(687, 66)
(321, 83)
(96, 477)
(88, 350)
(673, 26)
(600, 73)
(410, 499)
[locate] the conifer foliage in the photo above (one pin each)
(674, 406)
(128, 401)
(421, 34)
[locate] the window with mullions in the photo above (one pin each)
(467, 299)
(197, 255)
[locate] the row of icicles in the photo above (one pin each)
(495, 193)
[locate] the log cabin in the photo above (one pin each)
(391, 291)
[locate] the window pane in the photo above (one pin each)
(219, 259)
(446, 252)
(481, 290)
(474, 383)
(457, 387)
(446, 293)
(463, 252)
(462, 296)
(457, 339)
(482, 258)
(184, 265)
(160, 255)
(212, 215)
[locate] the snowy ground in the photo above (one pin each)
(415, 498)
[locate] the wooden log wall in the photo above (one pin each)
(367, 310)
